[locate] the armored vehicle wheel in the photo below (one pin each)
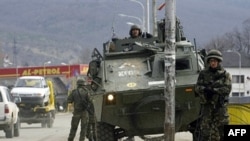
(105, 132)
(153, 138)
(130, 139)
(17, 128)
(10, 131)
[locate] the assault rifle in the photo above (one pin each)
(88, 105)
(217, 99)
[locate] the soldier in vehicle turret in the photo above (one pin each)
(213, 86)
(135, 32)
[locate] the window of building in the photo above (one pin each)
(238, 79)
(237, 94)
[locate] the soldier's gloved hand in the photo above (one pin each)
(208, 90)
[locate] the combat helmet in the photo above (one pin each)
(135, 27)
(214, 54)
(80, 82)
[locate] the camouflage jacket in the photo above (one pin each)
(219, 80)
(80, 97)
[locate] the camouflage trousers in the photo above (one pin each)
(92, 129)
(212, 122)
(76, 119)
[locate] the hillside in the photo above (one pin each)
(68, 30)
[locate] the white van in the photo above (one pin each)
(32, 90)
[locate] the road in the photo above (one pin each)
(60, 130)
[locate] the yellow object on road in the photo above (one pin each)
(239, 114)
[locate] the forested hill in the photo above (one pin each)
(68, 30)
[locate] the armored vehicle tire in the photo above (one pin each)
(154, 138)
(10, 131)
(105, 132)
(17, 128)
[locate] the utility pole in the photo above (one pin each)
(154, 18)
(169, 89)
(14, 53)
(147, 17)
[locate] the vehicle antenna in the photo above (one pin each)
(113, 29)
(113, 21)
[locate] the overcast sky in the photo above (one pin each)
(207, 19)
(201, 19)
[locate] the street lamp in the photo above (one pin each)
(123, 15)
(130, 23)
(68, 68)
(17, 72)
(48, 62)
(147, 17)
(239, 66)
(63, 63)
(143, 13)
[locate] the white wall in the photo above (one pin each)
(243, 87)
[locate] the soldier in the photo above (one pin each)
(213, 86)
(135, 32)
(81, 99)
(92, 129)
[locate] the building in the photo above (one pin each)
(238, 64)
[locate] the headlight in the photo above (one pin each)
(110, 99)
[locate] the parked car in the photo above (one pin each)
(9, 113)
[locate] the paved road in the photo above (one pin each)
(60, 130)
(35, 132)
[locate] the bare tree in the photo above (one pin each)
(230, 40)
(246, 35)
(238, 40)
(219, 43)
(234, 40)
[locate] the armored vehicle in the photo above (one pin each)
(128, 85)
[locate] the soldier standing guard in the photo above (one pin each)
(213, 86)
(81, 99)
(92, 127)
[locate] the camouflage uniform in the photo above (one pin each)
(213, 86)
(92, 129)
(80, 113)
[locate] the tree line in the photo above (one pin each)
(237, 40)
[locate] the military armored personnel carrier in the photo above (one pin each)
(128, 84)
